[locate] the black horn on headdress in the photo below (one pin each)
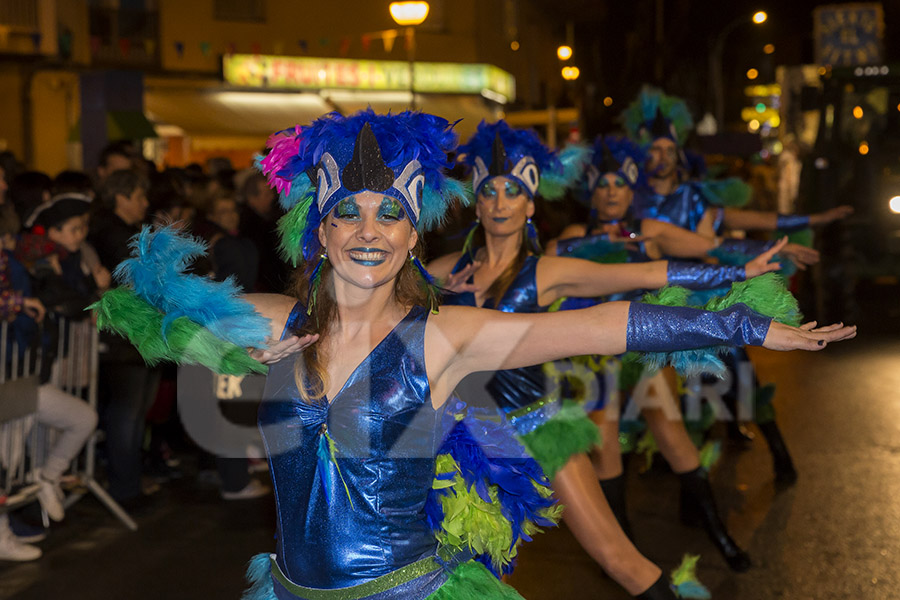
(498, 157)
(660, 127)
(609, 164)
(366, 169)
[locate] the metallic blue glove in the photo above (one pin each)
(654, 328)
(700, 276)
(789, 223)
(741, 246)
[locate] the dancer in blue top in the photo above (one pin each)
(509, 167)
(353, 427)
(613, 235)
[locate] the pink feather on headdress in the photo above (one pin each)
(284, 147)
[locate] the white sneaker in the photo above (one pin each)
(12, 549)
(50, 496)
(254, 489)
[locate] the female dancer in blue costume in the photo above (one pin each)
(613, 234)
(351, 426)
(661, 124)
(507, 277)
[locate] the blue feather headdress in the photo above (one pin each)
(611, 154)
(653, 115)
(498, 150)
(403, 156)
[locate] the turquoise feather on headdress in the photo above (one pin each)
(654, 114)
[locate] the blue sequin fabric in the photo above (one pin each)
(347, 521)
(512, 388)
(685, 207)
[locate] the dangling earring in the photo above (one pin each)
(470, 236)
(430, 284)
(531, 230)
(314, 282)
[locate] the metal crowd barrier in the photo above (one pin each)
(24, 441)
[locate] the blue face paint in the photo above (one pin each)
(487, 191)
(391, 210)
(619, 183)
(347, 210)
(512, 189)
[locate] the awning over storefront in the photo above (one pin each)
(246, 118)
(206, 112)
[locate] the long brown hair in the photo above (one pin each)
(498, 288)
(310, 368)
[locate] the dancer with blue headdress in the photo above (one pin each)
(509, 169)
(614, 235)
(354, 425)
(662, 124)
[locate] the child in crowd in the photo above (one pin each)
(62, 222)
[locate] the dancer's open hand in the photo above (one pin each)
(807, 336)
(281, 349)
(456, 282)
(763, 263)
(801, 255)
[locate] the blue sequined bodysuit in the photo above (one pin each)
(685, 207)
(385, 432)
(510, 389)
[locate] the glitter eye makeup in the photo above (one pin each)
(488, 191)
(620, 182)
(391, 209)
(512, 189)
(347, 209)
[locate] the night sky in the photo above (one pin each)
(616, 49)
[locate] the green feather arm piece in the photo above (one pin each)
(122, 312)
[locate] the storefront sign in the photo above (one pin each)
(304, 73)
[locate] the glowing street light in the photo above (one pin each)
(752, 74)
(894, 203)
(864, 148)
(760, 17)
(769, 48)
(564, 52)
(857, 112)
(571, 73)
(408, 14)
(514, 46)
(607, 101)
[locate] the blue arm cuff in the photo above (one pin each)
(654, 328)
(700, 276)
(789, 223)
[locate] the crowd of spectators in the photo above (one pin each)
(62, 238)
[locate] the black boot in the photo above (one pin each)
(614, 490)
(698, 507)
(660, 590)
(785, 473)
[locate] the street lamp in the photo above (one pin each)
(564, 52)
(410, 14)
(571, 73)
(715, 62)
